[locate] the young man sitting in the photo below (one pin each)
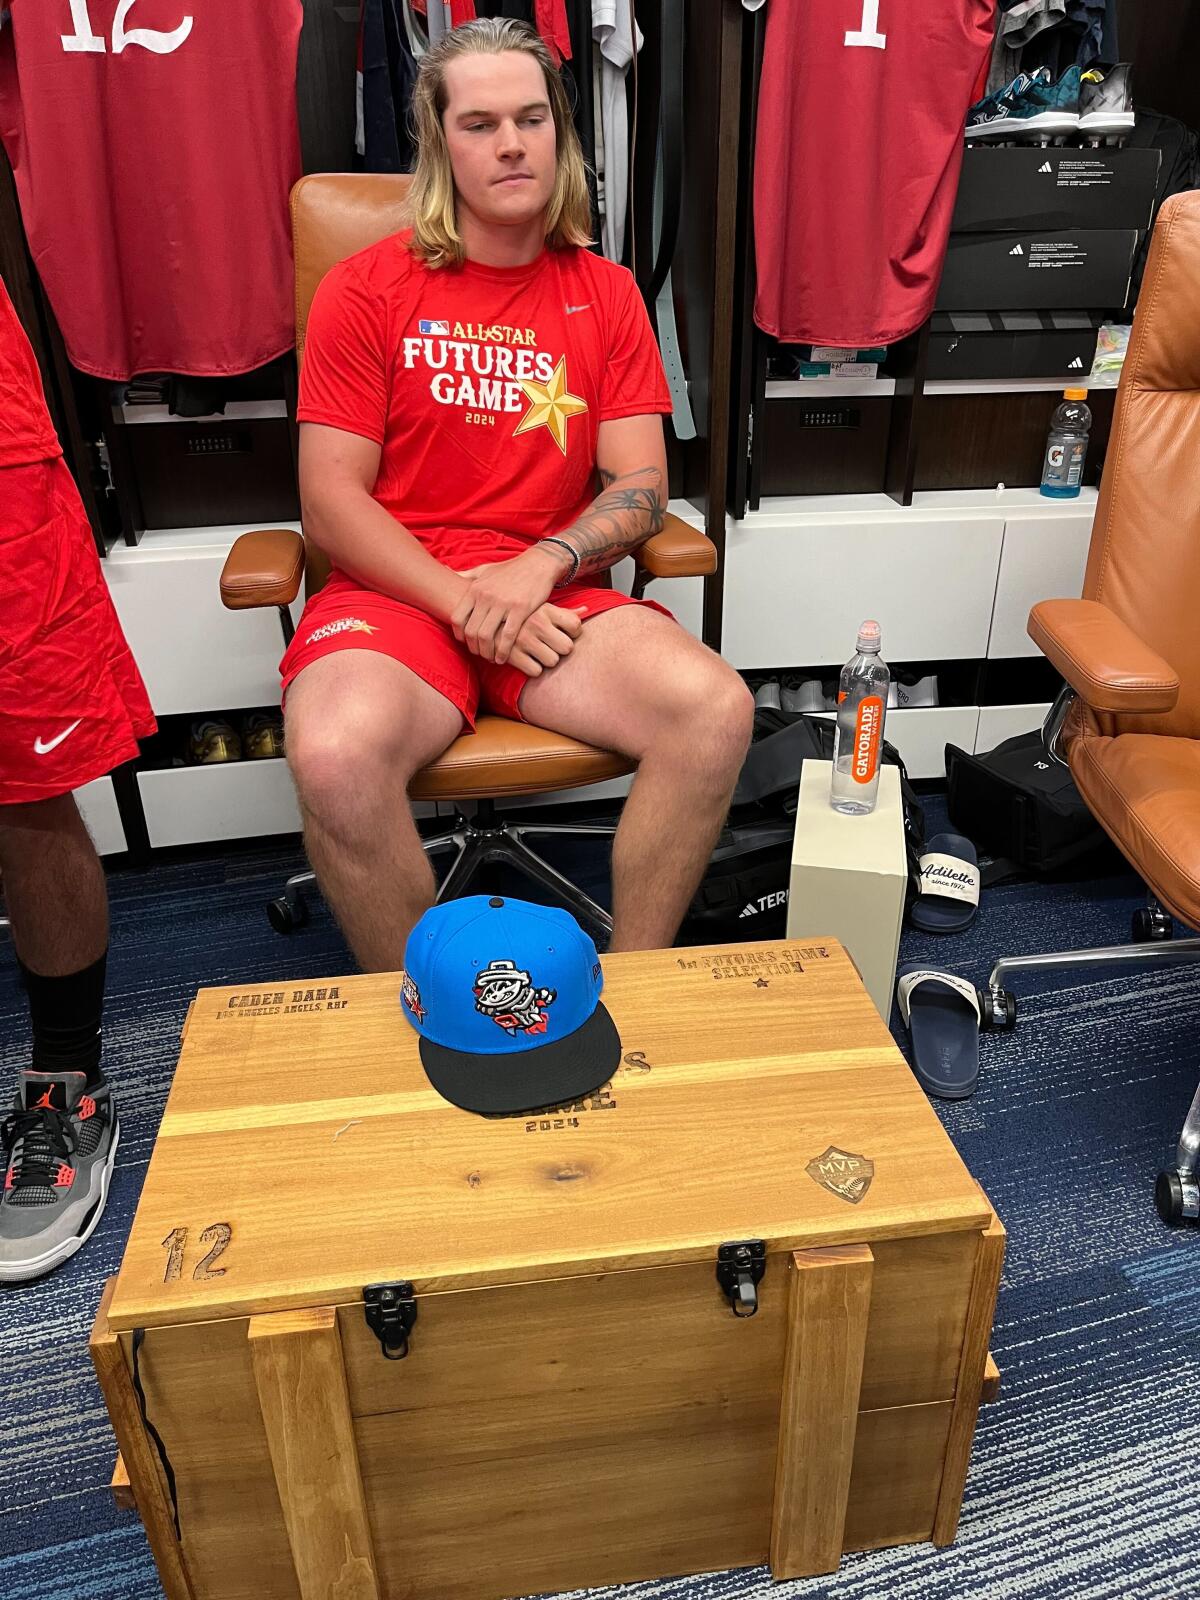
(463, 386)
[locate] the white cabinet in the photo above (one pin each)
(997, 723)
(1044, 556)
(228, 800)
(193, 654)
(97, 804)
(797, 585)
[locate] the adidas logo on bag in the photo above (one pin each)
(1016, 251)
(1071, 365)
(764, 903)
(1045, 167)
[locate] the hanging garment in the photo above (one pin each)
(550, 19)
(26, 431)
(154, 143)
(389, 73)
(443, 15)
(860, 140)
(579, 78)
(618, 38)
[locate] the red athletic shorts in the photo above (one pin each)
(343, 616)
(72, 704)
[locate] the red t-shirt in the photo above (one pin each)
(485, 387)
(26, 432)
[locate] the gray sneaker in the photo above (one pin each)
(61, 1142)
(1106, 99)
(802, 694)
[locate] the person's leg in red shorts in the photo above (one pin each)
(374, 690)
(72, 707)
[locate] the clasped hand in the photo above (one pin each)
(505, 614)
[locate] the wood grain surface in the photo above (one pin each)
(829, 1302)
(740, 1066)
(297, 1361)
(971, 1374)
(145, 1471)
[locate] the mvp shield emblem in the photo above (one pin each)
(847, 1176)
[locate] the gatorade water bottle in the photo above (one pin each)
(1066, 447)
(862, 706)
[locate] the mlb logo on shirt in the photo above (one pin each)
(425, 326)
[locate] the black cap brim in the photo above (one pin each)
(554, 1074)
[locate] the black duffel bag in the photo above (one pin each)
(745, 890)
(1020, 807)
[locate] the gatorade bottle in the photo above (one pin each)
(1066, 447)
(862, 707)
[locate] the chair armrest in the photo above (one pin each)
(677, 551)
(264, 568)
(1101, 657)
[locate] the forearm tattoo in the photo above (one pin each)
(626, 512)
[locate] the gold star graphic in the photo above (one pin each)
(550, 405)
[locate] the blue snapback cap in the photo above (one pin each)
(506, 998)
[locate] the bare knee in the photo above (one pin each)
(710, 720)
(351, 769)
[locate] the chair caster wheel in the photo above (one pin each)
(285, 915)
(997, 1010)
(1177, 1196)
(1151, 926)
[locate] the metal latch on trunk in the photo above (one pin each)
(740, 1266)
(391, 1312)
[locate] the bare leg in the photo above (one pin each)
(359, 725)
(639, 684)
(53, 886)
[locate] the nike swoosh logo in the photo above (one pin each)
(571, 310)
(40, 749)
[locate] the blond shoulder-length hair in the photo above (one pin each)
(435, 234)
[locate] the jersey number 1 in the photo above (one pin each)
(85, 41)
(868, 36)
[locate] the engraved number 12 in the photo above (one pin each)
(868, 35)
(86, 41)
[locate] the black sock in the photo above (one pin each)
(66, 1014)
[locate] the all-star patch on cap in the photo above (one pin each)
(506, 998)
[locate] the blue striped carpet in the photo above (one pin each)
(1083, 1479)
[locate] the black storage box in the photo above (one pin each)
(1012, 344)
(1038, 271)
(196, 474)
(1028, 190)
(824, 445)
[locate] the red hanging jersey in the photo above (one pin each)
(861, 111)
(26, 432)
(154, 143)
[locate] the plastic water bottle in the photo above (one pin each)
(862, 707)
(1066, 447)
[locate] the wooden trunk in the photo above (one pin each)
(580, 1404)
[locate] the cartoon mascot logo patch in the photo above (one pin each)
(411, 996)
(509, 997)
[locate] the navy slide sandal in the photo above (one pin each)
(942, 1015)
(949, 897)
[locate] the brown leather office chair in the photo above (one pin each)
(333, 216)
(1128, 720)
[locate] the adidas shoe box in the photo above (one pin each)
(1012, 344)
(1054, 270)
(1031, 189)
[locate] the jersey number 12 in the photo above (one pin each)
(868, 35)
(85, 41)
